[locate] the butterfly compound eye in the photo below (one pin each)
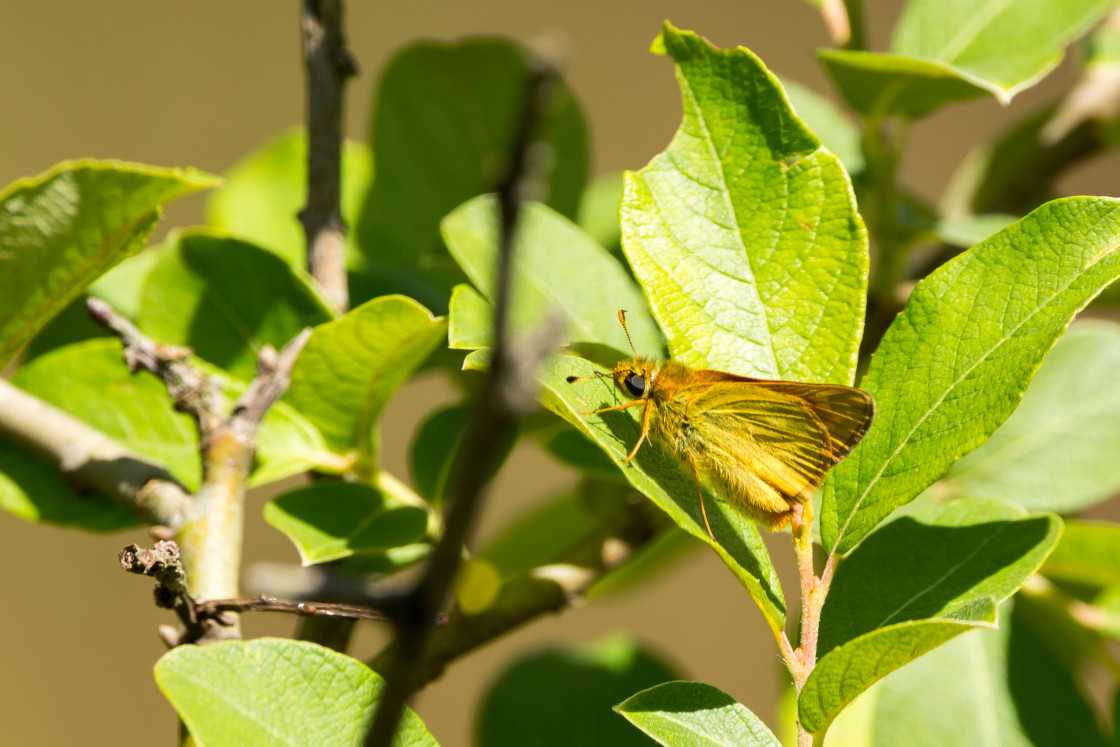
(636, 384)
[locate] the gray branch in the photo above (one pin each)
(89, 459)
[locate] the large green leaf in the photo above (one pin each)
(272, 691)
(558, 269)
(951, 50)
(226, 299)
(264, 192)
(61, 230)
(1057, 452)
(988, 688)
(522, 706)
(693, 713)
(660, 476)
(469, 97)
(333, 520)
(744, 232)
(955, 362)
(932, 563)
(351, 366)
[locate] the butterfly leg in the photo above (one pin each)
(616, 407)
(645, 430)
(700, 495)
(795, 517)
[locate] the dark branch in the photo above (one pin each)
(164, 565)
(499, 405)
(329, 64)
(264, 603)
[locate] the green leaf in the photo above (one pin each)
(952, 50)
(598, 211)
(433, 451)
(847, 671)
(915, 584)
(351, 367)
(970, 230)
(61, 230)
(521, 708)
(933, 563)
(558, 269)
(744, 233)
(989, 688)
(273, 691)
(470, 96)
(433, 448)
(660, 476)
(226, 299)
(1088, 555)
(67, 327)
(393, 560)
(574, 449)
(1011, 173)
(120, 287)
(1057, 451)
(539, 536)
(264, 192)
(543, 534)
(876, 84)
(693, 713)
(471, 319)
(90, 381)
(828, 122)
(955, 362)
(287, 443)
(34, 489)
(333, 520)
(667, 550)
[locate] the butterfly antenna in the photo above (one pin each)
(597, 374)
(622, 320)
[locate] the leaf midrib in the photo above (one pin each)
(971, 30)
(953, 569)
(686, 88)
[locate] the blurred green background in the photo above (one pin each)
(201, 84)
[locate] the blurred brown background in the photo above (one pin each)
(200, 84)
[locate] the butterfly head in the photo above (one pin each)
(634, 377)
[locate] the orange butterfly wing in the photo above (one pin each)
(771, 442)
